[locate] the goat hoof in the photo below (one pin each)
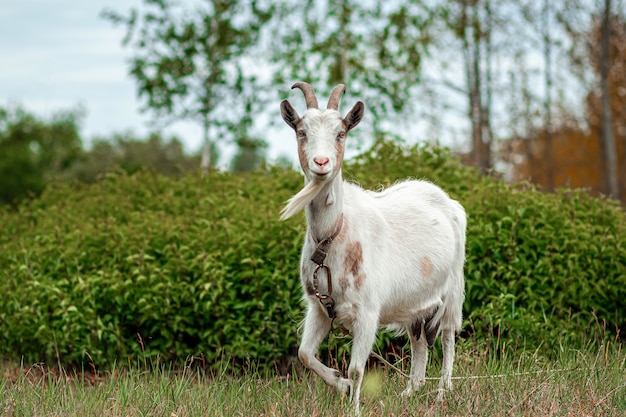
(441, 393)
(412, 387)
(344, 386)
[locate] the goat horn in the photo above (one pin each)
(309, 95)
(335, 96)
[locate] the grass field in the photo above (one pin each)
(588, 382)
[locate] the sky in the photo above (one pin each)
(59, 55)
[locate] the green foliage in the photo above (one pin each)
(376, 50)
(545, 264)
(132, 154)
(34, 151)
(250, 155)
(187, 62)
(144, 265)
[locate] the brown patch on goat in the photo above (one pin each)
(304, 162)
(306, 282)
(340, 150)
(342, 232)
(354, 261)
(344, 283)
(308, 287)
(340, 147)
(426, 267)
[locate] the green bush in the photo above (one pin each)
(146, 265)
(139, 266)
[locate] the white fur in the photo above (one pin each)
(412, 240)
(299, 201)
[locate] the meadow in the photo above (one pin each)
(107, 290)
(490, 380)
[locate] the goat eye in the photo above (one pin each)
(301, 134)
(341, 135)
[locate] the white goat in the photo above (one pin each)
(392, 258)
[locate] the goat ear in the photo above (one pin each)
(290, 115)
(354, 116)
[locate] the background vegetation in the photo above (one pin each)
(118, 249)
(35, 152)
(519, 86)
(139, 266)
(535, 90)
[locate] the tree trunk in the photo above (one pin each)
(608, 139)
(205, 162)
(343, 14)
(471, 54)
(486, 129)
(547, 104)
(479, 113)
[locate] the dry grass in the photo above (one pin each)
(589, 382)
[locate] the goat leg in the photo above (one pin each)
(316, 327)
(419, 358)
(364, 334)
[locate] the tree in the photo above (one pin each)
(249, 156)
(34, 152)
(475, 27)
(580, 150)
(546, 38)
(606, 105)
(597, 57)
(608, 139)
(375, 48)
(540, 36)
(188, 64)
(131, 154)
(576, 159)
(468, 30)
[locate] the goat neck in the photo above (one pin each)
(324, 211)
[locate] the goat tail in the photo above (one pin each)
(458, 282)
(299, 201)
(451, 315)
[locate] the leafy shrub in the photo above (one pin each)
(143, 265)
(146, 265)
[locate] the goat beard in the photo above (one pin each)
(299, 201)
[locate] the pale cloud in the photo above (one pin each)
(61, 55)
